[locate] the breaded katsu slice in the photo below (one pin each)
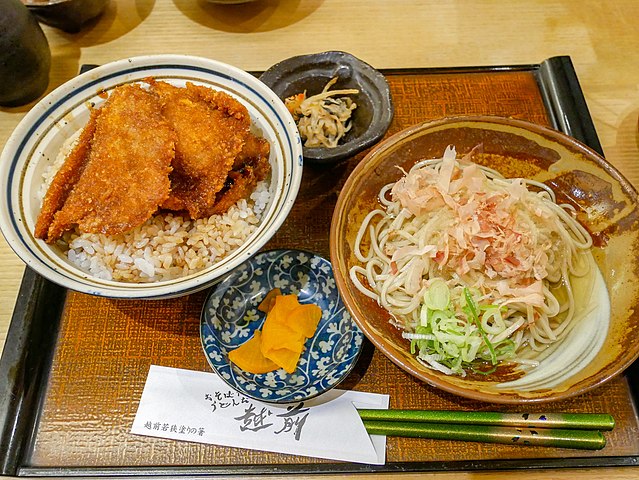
(125, 167)
(66, 178)
(250, 167)
(211, 128)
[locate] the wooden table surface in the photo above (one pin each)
(602, 38)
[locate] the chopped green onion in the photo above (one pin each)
(483, 372)
(472, 309)
(437, 297)
(453, 333)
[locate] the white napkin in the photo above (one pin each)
(200, 407)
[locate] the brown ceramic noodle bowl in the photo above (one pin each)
(597, 349)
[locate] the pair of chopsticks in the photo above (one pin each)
(559, 430)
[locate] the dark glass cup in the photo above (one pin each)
(25, 58)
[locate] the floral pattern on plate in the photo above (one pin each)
(230, 316)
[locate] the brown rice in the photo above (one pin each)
(166, 246)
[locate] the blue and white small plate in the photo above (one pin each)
(230, 316)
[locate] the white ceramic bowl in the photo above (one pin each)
(38, 138)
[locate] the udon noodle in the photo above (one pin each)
(478, 270)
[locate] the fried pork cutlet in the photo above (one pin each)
(212, 128)
(119, 175)
(66, 178)
(250, 167)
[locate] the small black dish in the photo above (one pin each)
(312, 72)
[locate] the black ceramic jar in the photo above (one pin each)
(25, 58)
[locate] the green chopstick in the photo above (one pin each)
(572, 421)
(548, 437)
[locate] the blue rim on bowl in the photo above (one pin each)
(38, 138)
(230, 317)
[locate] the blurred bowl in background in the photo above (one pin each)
(67, 15)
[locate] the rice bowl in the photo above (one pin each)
(169, 255)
